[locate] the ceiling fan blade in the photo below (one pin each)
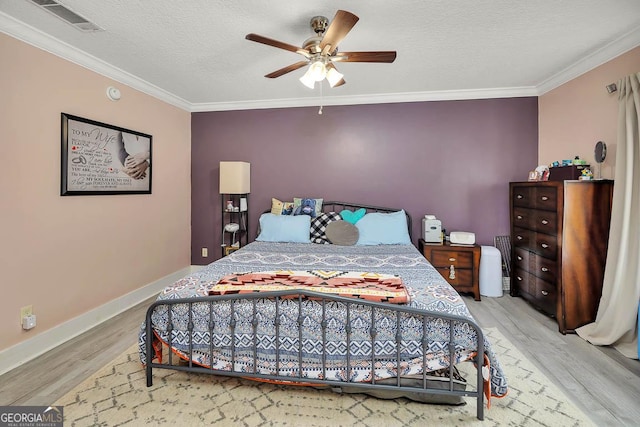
(342, 23)
(274, 43)
(286, 69)
(381, 56)
(340, 83)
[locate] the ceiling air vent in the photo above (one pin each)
(67, 15)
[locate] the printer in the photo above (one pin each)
(431, 229)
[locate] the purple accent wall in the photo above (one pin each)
(453, 159)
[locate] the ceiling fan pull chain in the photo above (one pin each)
(320, 109)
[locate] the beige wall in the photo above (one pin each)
(576, 115)
(68, 255)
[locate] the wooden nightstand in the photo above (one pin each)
(459, 265)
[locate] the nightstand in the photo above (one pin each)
(459, 265)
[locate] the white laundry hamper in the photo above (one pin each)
(490, 272)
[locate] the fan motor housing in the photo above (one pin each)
(319, 24)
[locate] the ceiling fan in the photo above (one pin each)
(321, 51)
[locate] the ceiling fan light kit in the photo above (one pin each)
(321, 50)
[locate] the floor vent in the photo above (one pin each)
(67, 15)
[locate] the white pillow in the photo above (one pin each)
(383, 229)
(284, 228)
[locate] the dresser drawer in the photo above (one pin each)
(522, 217)
(544, 221)
(449, 258)
(546, 296)
(523, 283)
(521, 259)
(521, 237)
(522, 196)
(544, 268)
(545, 198)
(535, 290)
(544, 245)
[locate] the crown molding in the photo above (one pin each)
(446, 95)
(30, 35)
(39, 39)
(605, 54)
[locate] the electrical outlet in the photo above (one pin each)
(205, 252)
(25, 311)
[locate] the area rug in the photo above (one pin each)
(117, 395)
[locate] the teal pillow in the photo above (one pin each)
(383, 229)
(284, 228)
(351, 216)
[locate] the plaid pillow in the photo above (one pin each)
(319, 226)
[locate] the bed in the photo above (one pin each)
(392, 334)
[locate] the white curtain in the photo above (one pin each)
(617, 319)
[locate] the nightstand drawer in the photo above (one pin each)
(459, 265)
(457, 277)
(449, 258)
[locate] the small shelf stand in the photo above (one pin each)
(235, 215)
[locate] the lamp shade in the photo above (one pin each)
(235, 177)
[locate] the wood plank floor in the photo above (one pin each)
(600, 381)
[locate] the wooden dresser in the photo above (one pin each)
(559, 235)
(459, 265)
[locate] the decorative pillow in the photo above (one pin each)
(319, 226)
(311, 207)
(281, 208)
(384, 229)
(284, 228)
(351, 216)
(342, 233)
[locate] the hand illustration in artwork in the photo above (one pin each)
(136, 165)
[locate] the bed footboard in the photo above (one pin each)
(242, 346)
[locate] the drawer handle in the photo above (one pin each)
(519, 196)
(519, 217)
(452, 259)
(545, 222)
(544, 269)
(519, 237)
(544, 198)
(544, 245)
(545, 293)
(519, 258)
(452, 273)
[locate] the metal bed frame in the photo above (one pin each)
(323, 299)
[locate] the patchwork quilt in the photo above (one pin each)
(301, 323)
(355, 284)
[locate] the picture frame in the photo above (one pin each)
(102, 159)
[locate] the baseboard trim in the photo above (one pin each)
(27, 350)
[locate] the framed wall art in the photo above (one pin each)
(98, 158)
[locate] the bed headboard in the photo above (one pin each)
(332, 206)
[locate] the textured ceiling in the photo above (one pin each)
(193, 53)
